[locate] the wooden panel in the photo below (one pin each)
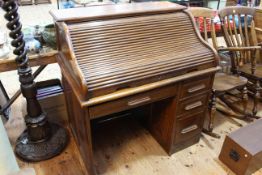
(152, 48)
(188, 127)
(116, 10)
(192, 105)
(193, 87)
(162, 122)
(80, 125)
(224, 156)
(239, 154)
(132, 101)
(254, 144)
(68, 66)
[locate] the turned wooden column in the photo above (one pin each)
(41, 140)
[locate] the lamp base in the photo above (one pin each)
(37, 151)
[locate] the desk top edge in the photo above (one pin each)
(96, 12)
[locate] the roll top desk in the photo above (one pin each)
(119, 57)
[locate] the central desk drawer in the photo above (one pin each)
(132, 101)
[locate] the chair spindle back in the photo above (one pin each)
(207, 15)
(239, 31)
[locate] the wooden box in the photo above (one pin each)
(242, 149)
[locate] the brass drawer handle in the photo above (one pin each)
(196, 88)
(138, 101)
(193, 105)
(189, 129)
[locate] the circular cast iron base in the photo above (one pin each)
(37, 151)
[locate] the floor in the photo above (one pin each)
(126, 149)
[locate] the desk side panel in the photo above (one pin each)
(67, 62)
(80, 125)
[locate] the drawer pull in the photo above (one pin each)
(196, 88)
(138, 101)
(189, 129)
(193, 105)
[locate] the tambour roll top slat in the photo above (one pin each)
(119, 52)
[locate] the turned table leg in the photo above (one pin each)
(211, 115)
(256, 98)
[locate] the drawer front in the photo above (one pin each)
(132, 101)
(188, 127)
(192, 105)
(193, 87)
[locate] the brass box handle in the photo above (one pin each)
(138, 101)
(189, 129)
(196, 88)
(193, 105)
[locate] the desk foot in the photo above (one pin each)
(212, 134)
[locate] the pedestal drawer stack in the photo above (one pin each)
(191, 111)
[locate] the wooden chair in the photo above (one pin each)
(242, 43)
(224, 82)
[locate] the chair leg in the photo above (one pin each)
(256, 98)
(245, 101)
(212, 113)
(240, 114)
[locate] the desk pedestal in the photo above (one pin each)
(175, 114)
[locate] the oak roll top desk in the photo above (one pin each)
(119, 57)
